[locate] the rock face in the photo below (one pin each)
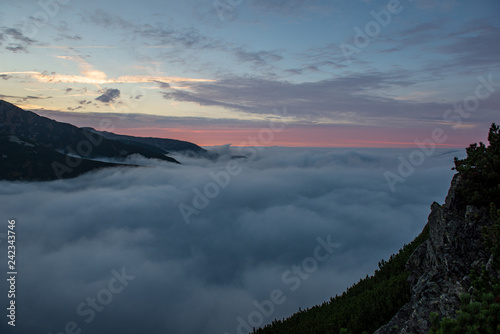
(440, 267)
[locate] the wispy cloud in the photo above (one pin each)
(14, 40)
(158, 34)
(98, 77)
(348, 98)
(260, 58)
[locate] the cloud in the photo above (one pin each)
(288, 7)
(199, 278)
(16, 48)
(260, 58)
(184, 42)
(162, 84)
(344, 99)
(15, 40)
(475, 45)
(468, 49)
(109, 95)
(73, 109)
(157, 33)
(92, 76)
(17, 35)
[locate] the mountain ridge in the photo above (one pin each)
(164, 145)
(37, 148)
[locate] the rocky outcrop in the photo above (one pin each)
(440, 267)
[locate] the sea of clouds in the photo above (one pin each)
(112, 251)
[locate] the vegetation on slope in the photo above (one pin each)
(364, 307)
(480, 171)
(480, 310)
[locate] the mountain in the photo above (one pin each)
(440, 268)
(445, 282)
(33, 147)
(163, 145)
(30, 161)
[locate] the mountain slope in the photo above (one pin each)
(440, 268)
(24, 161)
(165, 145)
(32, 146)
(365, 306)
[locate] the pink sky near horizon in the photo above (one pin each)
(308, 136)
(292, 135)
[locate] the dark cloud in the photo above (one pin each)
(17, 35)
(109, 95)
(82, 102)
(2, 96)
(15, 40)
(16, 48)
(162, 84)
(199, 278)
(260, 58)
(73, 109)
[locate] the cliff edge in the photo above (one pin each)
(440, 267)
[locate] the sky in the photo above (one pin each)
(357, 73)
(112, 252)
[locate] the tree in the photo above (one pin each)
(481, 171)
